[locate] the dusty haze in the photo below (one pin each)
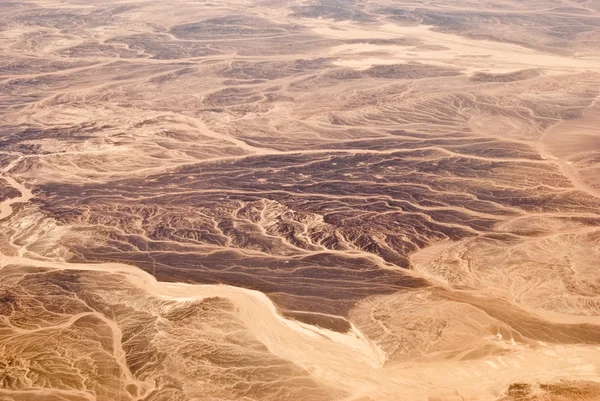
(325, 200)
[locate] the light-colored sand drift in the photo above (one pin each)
(452, 50)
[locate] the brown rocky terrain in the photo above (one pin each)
(304, 200)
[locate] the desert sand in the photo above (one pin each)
(305, 200)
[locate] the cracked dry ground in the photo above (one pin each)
(302, 200)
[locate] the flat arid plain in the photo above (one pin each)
(303, 200)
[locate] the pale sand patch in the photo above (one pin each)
(574, 144)
(453, 50)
